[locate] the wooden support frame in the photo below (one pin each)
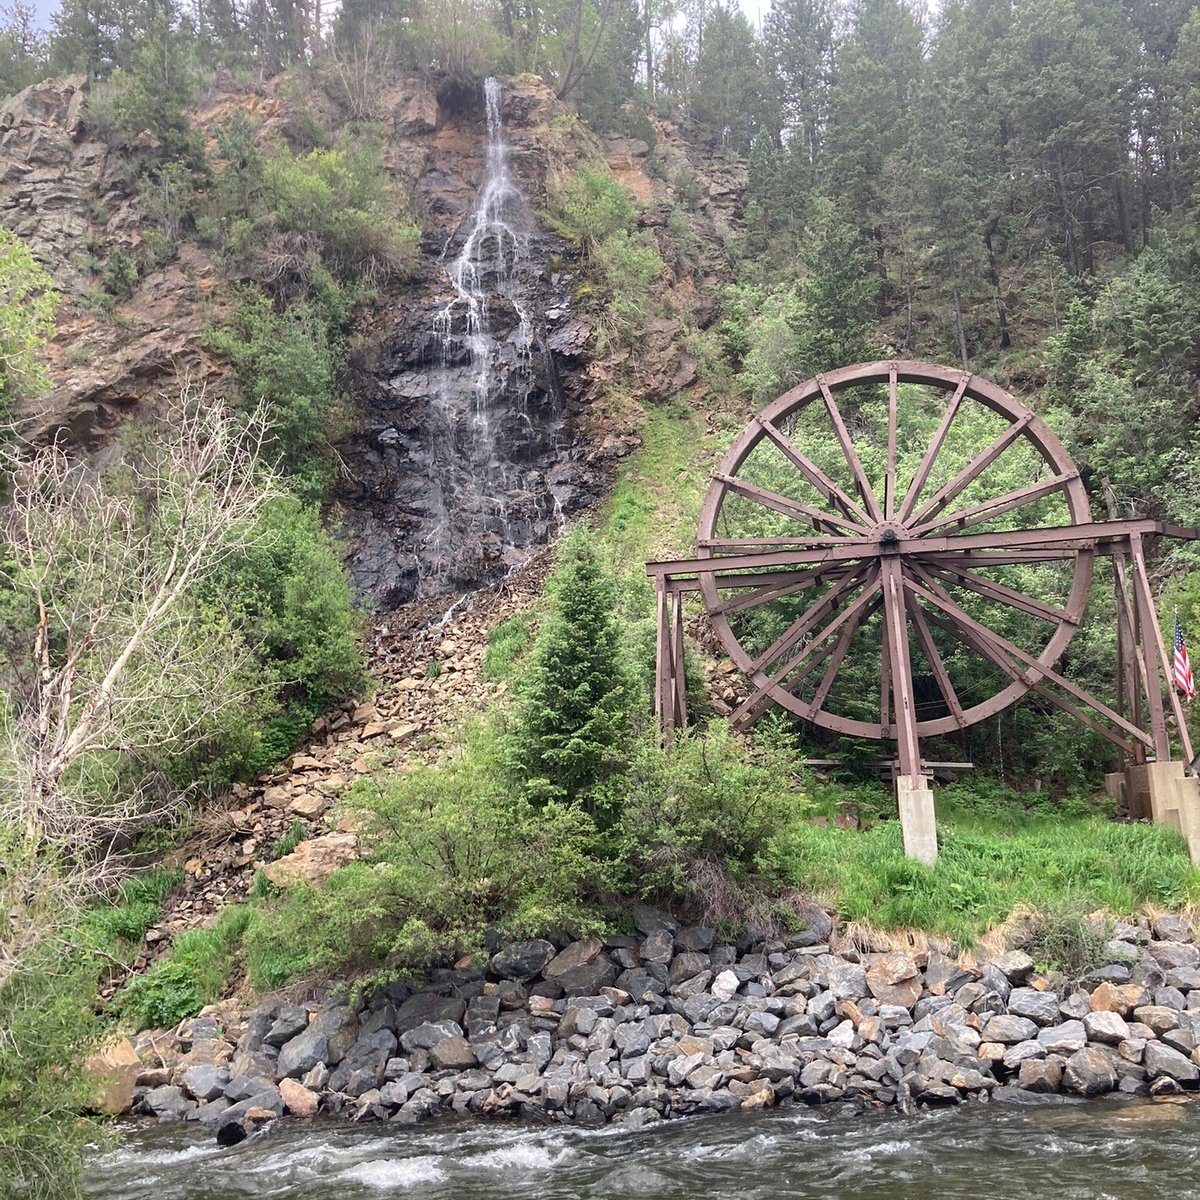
(880, 564)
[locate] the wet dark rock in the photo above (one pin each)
(1089, 1072)
(1162, 1060)
(364, 1065)
(238, 1121)
(523, 961)
(290, 1021)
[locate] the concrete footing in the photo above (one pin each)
(918, 820)
(1162, 793)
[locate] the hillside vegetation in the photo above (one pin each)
(1010, 187)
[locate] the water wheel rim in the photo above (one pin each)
(1033, 430)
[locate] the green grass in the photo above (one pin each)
(507, 646)
(193, 973)
(656, 498)
(984, 872)
(138, 903)
(290, 840)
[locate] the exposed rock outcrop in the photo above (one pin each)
(74, 203)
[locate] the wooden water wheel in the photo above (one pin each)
(898, 550)
(884, 553)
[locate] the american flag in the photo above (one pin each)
(1183, 669)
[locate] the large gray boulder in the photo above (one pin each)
(302, 1053)
(523, 960)
(1041, 1007)
(363, 1067)
(1161, 1060)
(1089, 1072)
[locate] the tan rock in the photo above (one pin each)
(306, 762)
(113, 1072)
(1122, 1000)
(299, 1101)
(577, 954)
(314, 860)
(307, 806)
(277, 797)
(895, 979)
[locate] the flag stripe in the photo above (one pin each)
(1183, 668)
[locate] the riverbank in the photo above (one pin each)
(671, 1022)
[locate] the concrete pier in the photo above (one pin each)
(917, 818)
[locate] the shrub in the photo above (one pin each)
(1065, 939)
(48, 1032)
(120, 275)
(27, 304)
(288, 359)
(455, 850)
(711, 800)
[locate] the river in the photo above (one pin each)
(1103, 1150)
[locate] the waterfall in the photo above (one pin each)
(488, 364)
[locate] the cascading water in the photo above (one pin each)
(462, 460)
(489, 367)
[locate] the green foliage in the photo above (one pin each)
(153, 96)
(193, 973)
(120, 275)
(574, 711)
(1065, 940)
(27, 304)
(137, 907)
(286, 595)
(48, 1031)
(592, 210)
(713, 800)
(288, 360)
(454, 850)
(342, 198)
(290, 840)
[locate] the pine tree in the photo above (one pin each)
(574, 713)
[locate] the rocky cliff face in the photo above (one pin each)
(467, 453)
(447, 484)
(74, 202)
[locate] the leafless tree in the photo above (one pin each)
(108, 659)
(362, 69)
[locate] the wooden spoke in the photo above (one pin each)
(964, 518)
(992, 590)
(808, 619)
(972, 470)
(813, 473)
(791, 583)
(849, 613)
(841, 649)
(1036, 670)
(849, 453)
(933, 657)
(917, 485)
(787, 506)
(986, 651)
(889, 481)
(885, 679)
